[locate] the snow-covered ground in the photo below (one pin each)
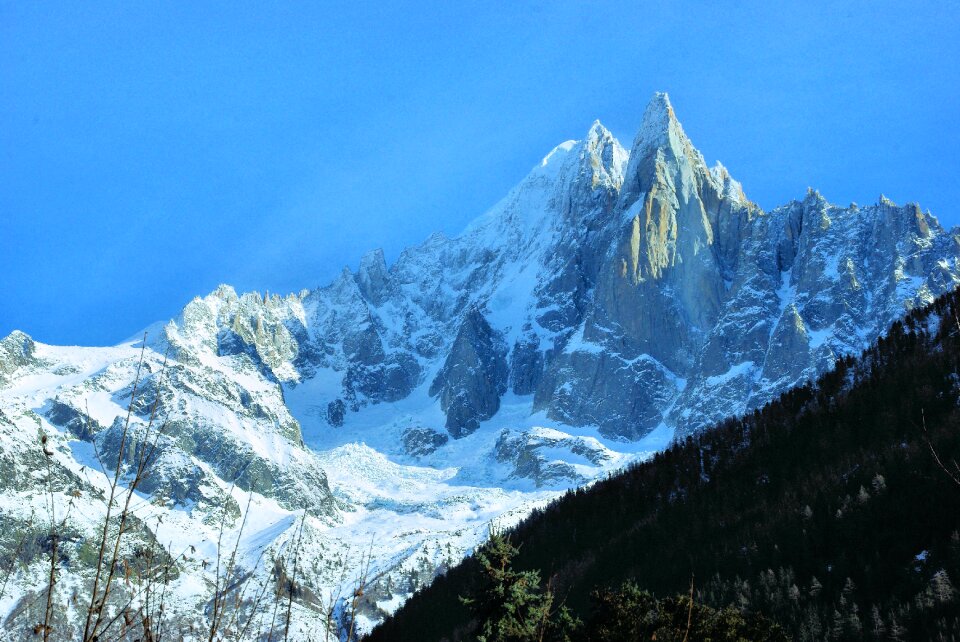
(402, 517)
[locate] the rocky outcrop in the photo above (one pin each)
(16, 351)
(531, 455)
(526, 363)
(204, 427)
(373, 279)
(419, 442)
(473, 377)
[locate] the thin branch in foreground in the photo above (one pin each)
(96, 623)
(277, 595)
(293, 579)
(954, 475)
(16, 555)
(686, 635)
(329, 610)
(257, 600)
(89, 623)
(54, 536)
(359, 591)
(220, 593)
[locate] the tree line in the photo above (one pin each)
(833, 512)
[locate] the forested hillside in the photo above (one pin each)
(834, 511)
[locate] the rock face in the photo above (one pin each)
(473, 377)
(420, 442)
(528, 454)
(16, 351)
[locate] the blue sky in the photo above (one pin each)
(149, 151)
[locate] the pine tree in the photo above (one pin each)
(851, 623)
(836, 625)
(811, 627)
(509, 604)
(815, 587)
(897, 632)
(941, 588)
(877, 627)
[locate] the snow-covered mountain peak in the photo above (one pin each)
(599, 151)
(597, 131)
(610, 300)
(729, 187)
(603, 158)
(373, 277)
(556, 156)
(16, 350)
(373, 261)
(572, 172)
(16, 345)
(659, 127)
(664, 160)
(813, 197)
(658, 117)
(597, 136)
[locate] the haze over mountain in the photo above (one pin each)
(152, 155)
(616, 297)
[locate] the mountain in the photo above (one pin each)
(612, 300)
(834, 511)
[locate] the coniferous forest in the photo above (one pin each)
(833, 512)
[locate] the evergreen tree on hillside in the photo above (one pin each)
(510, 605)
(630, 614)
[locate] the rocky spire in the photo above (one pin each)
(604, 157)
(372, 277)
(474, 376)
(660, 127)
(681, 231)
(667, 192)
